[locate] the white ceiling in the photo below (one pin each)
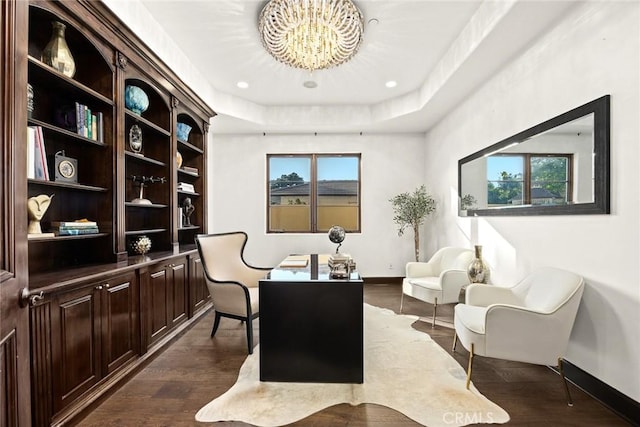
(437, 51)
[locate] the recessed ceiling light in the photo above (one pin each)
(373, 21)
(242, 85)
(391, 83)
(310, 84)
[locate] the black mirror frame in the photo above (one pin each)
(601, 204)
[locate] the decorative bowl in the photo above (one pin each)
(183, 131)
(135, 99)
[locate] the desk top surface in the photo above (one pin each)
(304, 268)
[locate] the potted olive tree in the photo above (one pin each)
(410, 210)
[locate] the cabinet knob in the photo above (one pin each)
(99, 287)
(106, 285)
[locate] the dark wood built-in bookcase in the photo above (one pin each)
(97, 309)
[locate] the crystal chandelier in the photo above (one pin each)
(311, 34)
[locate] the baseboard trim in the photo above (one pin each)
(382, 280)
(619, 403)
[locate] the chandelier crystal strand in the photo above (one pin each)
(311, 34)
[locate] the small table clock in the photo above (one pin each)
(66, 168)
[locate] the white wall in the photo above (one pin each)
(391, 164)
(593, 51)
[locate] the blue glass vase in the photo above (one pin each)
(135, 99)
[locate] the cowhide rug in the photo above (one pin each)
(404, 370)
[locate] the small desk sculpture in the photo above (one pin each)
(341, 264)
(145, 181)
(187, 210)
(37, 206)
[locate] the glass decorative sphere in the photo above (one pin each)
(337, 234)
(135, 99)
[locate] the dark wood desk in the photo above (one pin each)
(311, 325)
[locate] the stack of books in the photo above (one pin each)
(184, 186)
(339, 259)
(80, 119)
(74, 228)
(190, 169)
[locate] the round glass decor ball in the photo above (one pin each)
(337, 234)
(141, 245)
(135, 99)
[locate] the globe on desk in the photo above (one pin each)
(337, 235)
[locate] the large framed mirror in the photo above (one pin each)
(559, 167)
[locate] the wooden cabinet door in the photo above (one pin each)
(157, 305)
(177, 272)
(198, 291)
(120, 321)
(14, 319)
(75, 344)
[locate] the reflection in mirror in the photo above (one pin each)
(558, 167)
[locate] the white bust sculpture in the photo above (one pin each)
(37, 206)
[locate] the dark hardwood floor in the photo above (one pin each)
(196, 369)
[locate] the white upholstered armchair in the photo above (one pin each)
(439, 280)
(232, 283)
(529, 322)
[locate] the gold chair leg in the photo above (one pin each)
(470, 365)
(435, 308)
(455, 341)
(564, 380)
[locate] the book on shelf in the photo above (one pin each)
(31, 152)
(80, 119)
(73, 227)
(190, 169)
(76, 231)
(78, 223)
(100, 126)
(184, 186)
(41, 169)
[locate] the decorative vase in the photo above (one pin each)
(57, 54)
(478, 271)
(135, 99)
(183, 131)
(135, 139)
(141, 245)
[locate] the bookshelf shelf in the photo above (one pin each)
(68, 185)
(143, 206)
(147, 231)
(39, 72)
(64, 132)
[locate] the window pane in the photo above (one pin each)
(289, 194)
(549, 180)
(505, 176)
(337, 192)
